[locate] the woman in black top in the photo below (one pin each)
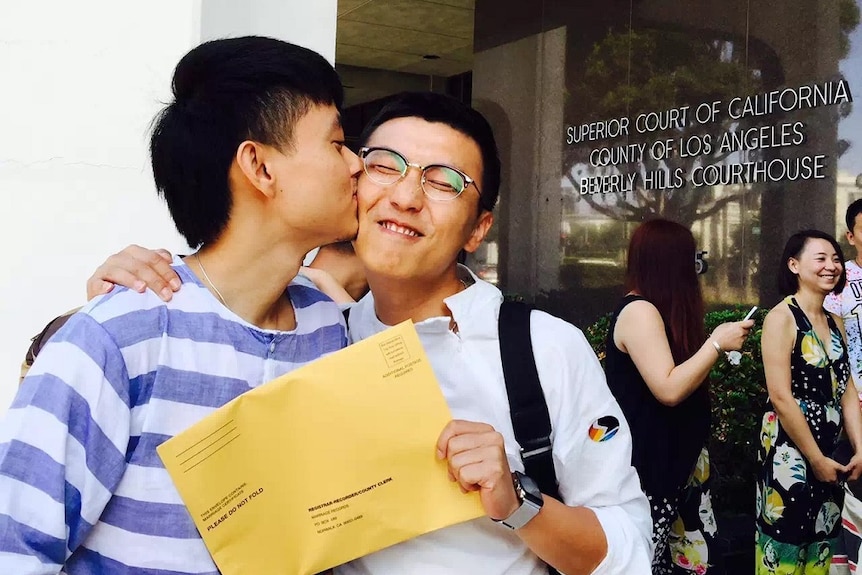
(657, 362)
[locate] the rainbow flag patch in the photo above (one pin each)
(604, 428)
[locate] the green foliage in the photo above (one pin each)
(848, 19)
(738, 394)
(597, 335)
(739, 397)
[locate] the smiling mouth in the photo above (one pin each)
(405, 231)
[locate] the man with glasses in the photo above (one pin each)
(431, 179)
(441, 183)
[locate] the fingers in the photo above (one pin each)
(480, 466)
(459, 444)
(154, 262)
(455, 428)
(731, 335)
(97, 286)
(121, 275)
(830, 470)
(854, 468)
(835, 465)
(138, 268)
(476, 458)
(476, 469)
(827, 476)
(742, 328)
(164, 254)
(484, 473)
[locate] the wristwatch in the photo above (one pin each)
(531, 501)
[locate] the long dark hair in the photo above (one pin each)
(661, 268)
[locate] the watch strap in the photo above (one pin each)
(531, 502)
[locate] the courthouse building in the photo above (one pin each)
(755, 100)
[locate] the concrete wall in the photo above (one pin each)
(526, 124)
(307, 23)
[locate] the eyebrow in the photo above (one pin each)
(336, 123)
(446, 164)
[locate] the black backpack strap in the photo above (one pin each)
(527, 405)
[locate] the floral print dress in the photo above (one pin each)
(797, 515)
(692, 533)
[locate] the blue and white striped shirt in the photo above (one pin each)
(82, 490)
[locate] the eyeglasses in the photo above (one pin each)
(439, 182)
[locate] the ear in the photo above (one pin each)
(480, 230)
(251, 158)
(850, 239)
(793, 265)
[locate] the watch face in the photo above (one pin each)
(530, 488)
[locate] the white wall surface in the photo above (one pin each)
(309, 23)
(81, 82)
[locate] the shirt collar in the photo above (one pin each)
(474, 311)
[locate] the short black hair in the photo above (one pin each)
(853, 210)
(788, 282)
(225, 92)
(439, 108)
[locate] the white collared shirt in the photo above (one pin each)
(596, 474)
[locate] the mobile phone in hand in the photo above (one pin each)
(750, 313)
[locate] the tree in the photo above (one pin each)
(672, 69)
(653, 70)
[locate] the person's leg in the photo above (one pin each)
(664, 512)
(692, 534)
(777, 558)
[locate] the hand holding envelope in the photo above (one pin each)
(325, 464)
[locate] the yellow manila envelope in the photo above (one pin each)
(325, 464)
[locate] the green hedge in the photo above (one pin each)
(738, 402)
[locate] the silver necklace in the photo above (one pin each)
(209, 281)
(221, 297)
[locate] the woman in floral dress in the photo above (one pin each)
(807, 375)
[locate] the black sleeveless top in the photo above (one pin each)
(666, 441)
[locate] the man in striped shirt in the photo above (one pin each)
(250, 159)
